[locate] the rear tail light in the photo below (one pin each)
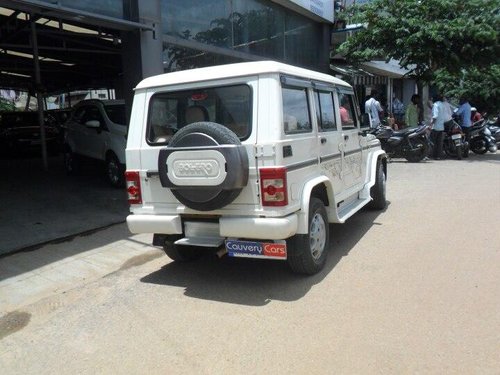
(133, 187)
(273, 186)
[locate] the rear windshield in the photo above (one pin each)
(116, 113)
(226, 105)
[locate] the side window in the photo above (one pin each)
(80, 115)
(162, 119)
(348, 117)
(296, 116)
(326, 112)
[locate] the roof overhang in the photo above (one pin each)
(58, 11)
(390, 69)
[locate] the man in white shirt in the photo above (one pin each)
(373, 107)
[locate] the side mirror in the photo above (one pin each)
(94, 124)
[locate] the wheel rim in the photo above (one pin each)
(317, 236)
(113, 171)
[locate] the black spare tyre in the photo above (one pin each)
(204, 165)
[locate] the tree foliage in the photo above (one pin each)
(452, 43)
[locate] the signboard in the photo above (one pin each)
(321, 8)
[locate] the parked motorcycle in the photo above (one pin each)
(494, 129)
(454, 142)
(412, 144)
(480, 138)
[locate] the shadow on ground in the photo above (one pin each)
(257, 282)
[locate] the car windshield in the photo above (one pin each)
(116, 113)
(226, 105)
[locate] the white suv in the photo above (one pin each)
(97, 129)
(254, 159)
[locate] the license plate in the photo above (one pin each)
(251, 249)
(456, 136)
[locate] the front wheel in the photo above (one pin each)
(378, 191)
(459, 152)
(71, 161)
(307, 253)
(115, 171)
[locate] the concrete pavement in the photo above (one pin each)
(38, 206)
(28, 276)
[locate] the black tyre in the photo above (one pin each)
(417, 156)
(459, 152)
(72, 162)
(465, 151)
(307, 253)
(378, 191)
(478, 146)
(210, 136)
(181, 253)
(115, 171)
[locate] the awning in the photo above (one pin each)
(390, 69)
(357, 75)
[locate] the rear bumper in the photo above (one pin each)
(247, 227)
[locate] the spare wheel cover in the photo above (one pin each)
(190, 151)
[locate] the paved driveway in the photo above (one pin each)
(414, 289)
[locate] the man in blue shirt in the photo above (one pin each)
(464, 113)
(437, 125)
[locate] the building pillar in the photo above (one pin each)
(142, 50)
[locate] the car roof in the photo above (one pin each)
(235, 70)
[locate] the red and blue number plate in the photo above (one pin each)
(250, 249)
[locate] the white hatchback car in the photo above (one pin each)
(253, 159)
(97, 129)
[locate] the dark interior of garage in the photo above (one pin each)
(48, 50)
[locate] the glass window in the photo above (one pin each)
(112, 8)
(256, 27)
(296, 116)
(326, 112)
(116, 113)
(347, 112)
(226, 105)
(206, 21)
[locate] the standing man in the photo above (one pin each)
(437, 126)
(373, 107)
(412, 113)
(464, 112)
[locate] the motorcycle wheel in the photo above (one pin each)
(479, 147)
(415, 157)
(465, 151)
(459, 152)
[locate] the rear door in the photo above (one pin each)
(229, 103)
(351, 142)
(330, 137)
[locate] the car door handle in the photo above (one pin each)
(323, 140)
(346, 137)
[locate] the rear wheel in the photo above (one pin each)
(478, 146)
(459, 152)
(181, 253)
(307, 253)
(417, 155)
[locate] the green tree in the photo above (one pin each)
(451, 43)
